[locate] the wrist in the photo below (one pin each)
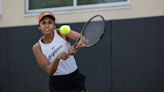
(57, 58)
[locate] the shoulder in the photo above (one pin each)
(36, 46)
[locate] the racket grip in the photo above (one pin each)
(74, 45)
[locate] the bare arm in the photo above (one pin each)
(73, 35)
(50, 68)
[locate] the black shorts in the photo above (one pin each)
(74, 82)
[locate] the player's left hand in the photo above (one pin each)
(82, 44)
(72, 50)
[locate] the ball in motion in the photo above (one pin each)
(64, 29)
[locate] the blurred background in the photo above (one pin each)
(129, 58)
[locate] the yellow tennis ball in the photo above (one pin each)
(64, 29)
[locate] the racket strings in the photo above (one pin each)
(94, 30)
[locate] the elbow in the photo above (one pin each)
(50, 73)
(51, 70)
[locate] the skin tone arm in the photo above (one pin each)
(43, 62)
(73, 35)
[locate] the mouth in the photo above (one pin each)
(47, 31)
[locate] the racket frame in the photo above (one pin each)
(79, 41)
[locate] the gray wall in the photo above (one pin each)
(138, 55)
(129, 58)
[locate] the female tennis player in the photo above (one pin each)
(55, 56)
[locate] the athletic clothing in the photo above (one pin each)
(67, 77)
(73, 82)
(53, 49)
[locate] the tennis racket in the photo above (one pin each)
(92, 32)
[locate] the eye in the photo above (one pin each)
(43, 22)
(50, 22)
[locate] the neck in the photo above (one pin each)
(48, 38)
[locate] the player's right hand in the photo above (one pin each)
(63, 56)
(72, 50)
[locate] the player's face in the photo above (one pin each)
(47, 25)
